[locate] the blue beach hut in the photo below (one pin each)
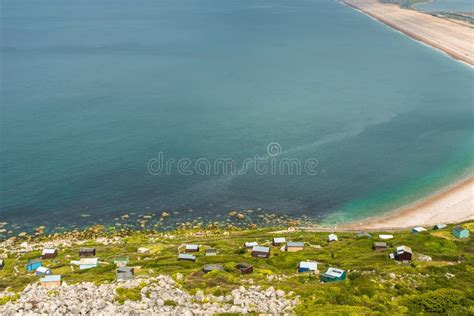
(307, 266)
(460, 232)
(33, 264)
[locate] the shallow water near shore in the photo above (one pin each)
(92, 90)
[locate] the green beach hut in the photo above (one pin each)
(460, 232)
(333, 275)
(121, 261)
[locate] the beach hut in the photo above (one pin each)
(121, 261)
(333, 275)
(2, 263)
(33, 264)
(439, 226)
(261, 252)
(50, 281)
(86, 252)
(88, 263)
(124, 273)
(418, 229)
(211, 252)
(307, 266)
(380, 245)
(186, 257)
(191, 248)
(244, 268)
(42, 271)
(403, 253)
(143, 250)
(212, 267)
(460, 232)
(293, 246)
(49, 253)
(278, 241)
(250, 244)
(332, 237)
(386, 237)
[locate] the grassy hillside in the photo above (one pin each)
(375, 284)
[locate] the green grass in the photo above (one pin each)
(131, 294)
(375, 284)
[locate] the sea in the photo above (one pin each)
(301, 108)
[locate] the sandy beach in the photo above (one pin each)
(457, 40)
(456, 202)
(451, 205)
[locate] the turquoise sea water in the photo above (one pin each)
(447, 6)
(92, 90)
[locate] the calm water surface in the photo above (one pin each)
(93, 89)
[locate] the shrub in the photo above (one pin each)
(438, 301)
(131, 294)
(170, 303)
(9, 298)
(229, 266)
(240, 251)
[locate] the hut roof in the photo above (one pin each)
(279, 240)
(402, 249)
(42, 270)
(212, 267)
(48, 251)
(334, 273)
(419, 229)
(51, 278)
(311, 265)
(186, 256)
(89, 261)
(87, 249)
(295, 244)
(125, 270)
(250, 244)
(459, 228)
(192, 247)
(120, 259)
(261, 249)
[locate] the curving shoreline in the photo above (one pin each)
(454, 39)
(451, 205)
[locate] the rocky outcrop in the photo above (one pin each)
(159, 295)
